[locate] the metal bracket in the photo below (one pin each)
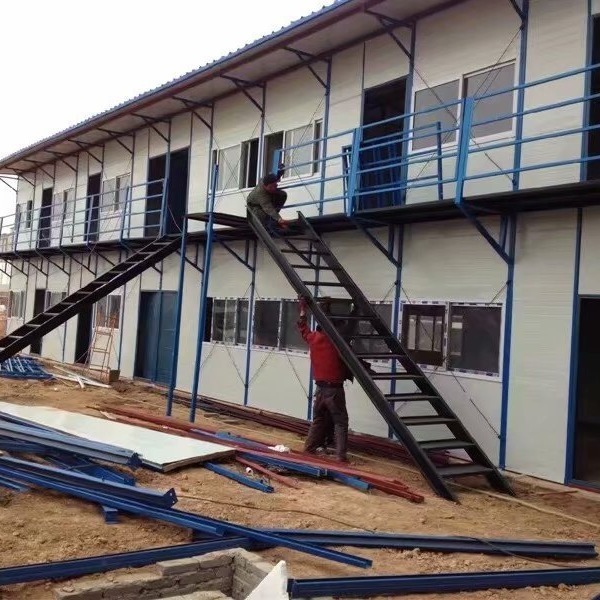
(242, 84)
(245, 261)
(385, 19)
(385, 22)
(115, 138)
(360, 225)
(110, 262)
(499, 247)
(31, 183)
(3, 180)
(162, 135)
(304, 58)
(40, 269)
(63, 160)
(51, 262)
(79, 262)
(518, 9)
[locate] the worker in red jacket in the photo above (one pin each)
(329, 408)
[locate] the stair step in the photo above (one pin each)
(301, 251)
(351, 318)
(463, 470)
(299, 238)
(410, 398)
(366, 336)
(401, 376)
(311, 266)
(427, 420)
(380, 355)
(325, 283)
(451, 444)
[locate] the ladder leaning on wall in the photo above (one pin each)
(101, 348)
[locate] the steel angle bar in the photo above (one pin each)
(190, 520)
(13, 467)
(247, 481)
(75, 445)
(97, 564)
(290, 466)
(15, 486)
(348, 480)
(348, 587)
(20, 446)
(88, 467)
(445, 544)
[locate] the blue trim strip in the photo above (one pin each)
(572, 407)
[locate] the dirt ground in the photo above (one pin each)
(43, 526)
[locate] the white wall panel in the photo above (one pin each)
(219, 372)
(541, 344)
(589, 276)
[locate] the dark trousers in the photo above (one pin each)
(329, 413)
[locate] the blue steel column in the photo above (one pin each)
(250, 326)
(408, 105)
(325, 133)
(521, 91)
(574, 364)
(397, 291)
(508, 314)
(175, 355)
(204, 293)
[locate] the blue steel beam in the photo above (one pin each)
(349, 587)
(15, 468)
(99, 564)
(67, 443)
(284, 464)
(233, 475)
(88, 467)
(187, 519)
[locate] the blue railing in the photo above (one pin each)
(450, 151)
(132, 212)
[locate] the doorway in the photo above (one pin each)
(177, 191)
(45, 224)
(586, 466)
(593, 137)
(156, 336)
(92, 208)
(39, 305)
(83, 340)
(382, 144)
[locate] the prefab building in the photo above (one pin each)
(446, 151)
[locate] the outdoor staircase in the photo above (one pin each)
(316, 257)
(103, 285)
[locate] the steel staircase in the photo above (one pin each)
(109, 281)
(316, 257)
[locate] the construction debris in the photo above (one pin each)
(23, 367)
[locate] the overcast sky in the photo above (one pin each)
(66, 60)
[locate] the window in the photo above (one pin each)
(53, 298)
(423, 332)
(273, 143)
(108, 312)
(474, 338)
(384, 310)
(229, 321)
(114, 193)
(490, 108)
(266, 323)
(29, 214)
(299, 161)
(228, 160)
(290, 336)
(249, 163)
(447, 116)
(16, 305)
(62, 204)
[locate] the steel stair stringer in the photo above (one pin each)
(436, 476)
(100, 287)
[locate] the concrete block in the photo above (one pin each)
(241, 587)
(71, 593)
(197, 576)
(133, 584)
(175, 567)
(243, 557)
(259, 568)
(215, 559)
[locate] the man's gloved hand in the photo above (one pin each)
(280, 171)
(303, 305)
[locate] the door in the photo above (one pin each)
(45, 224)
(156, 336)
(593, 137)
(177, 190)
(92, 208)
(382, 145)
(586, 459)
(39, 305)
(83, 340)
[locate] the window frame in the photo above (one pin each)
(117, 203)
(245, 159)
(216, 160)
(237, 303)
(21, 295)
(48, 298)
(28, 214)
(462, 88)
(428, 358)
(104, 327)
(315, 124)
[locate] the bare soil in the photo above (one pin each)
(41, 526)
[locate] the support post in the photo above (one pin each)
(325, 133)
(250, 328)
(175, 355)
(204, 293)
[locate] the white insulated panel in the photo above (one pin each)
(181, 130)
(270, 281)
(222, 371)
(541, 344)
(228, 277)
(556, 44)
(589, 275)
(450, 260)
(199, 168)
(384, 60)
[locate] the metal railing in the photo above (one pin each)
(116, 215)
(444, 152)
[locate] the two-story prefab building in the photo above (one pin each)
(444, 149)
